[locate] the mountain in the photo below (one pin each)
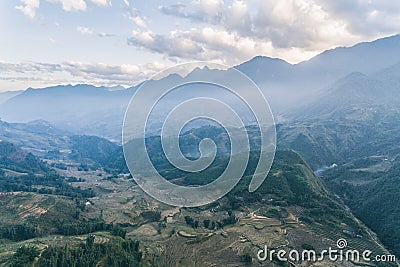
(80, 108)
(22, 171)
(355, 91)
(5, 96)
(351, 140)
(288, 86)
(366, 57)
(291, 210)
(265, 68)
(351, 131)
(92, 147)
(96, 152)
(37, 137)
(370, 187)
(339, 111)
(345, 116)
(46, 141)
(85, 109)
(13, 159)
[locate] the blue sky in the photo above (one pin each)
(112, 42)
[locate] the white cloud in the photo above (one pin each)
(207, 43)
(139, 21)
(126, 3)
(84, 30)
(28, 67)
(237, 17)
(101, 73)
(294, 30)
(212, 8)
(105, 34)
(29, 7)
(237, 32)
(135, 16)
(88, 31)
(174, 10)
(101, 2)
(199, 10)
(177, 44)
(366, 17)
(145, 38)
(79, 72)
(69, 5)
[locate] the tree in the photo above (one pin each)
(24, 255)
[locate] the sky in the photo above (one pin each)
(122, 42)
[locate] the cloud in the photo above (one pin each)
(199, 10)
(126, 3)
(294, 30)
(88, 31)
(29, 7)
(212, 8)
(177, 10)
(69, 5)
(238, 31)
(367, 17)
(84, 30)
(135, 16)
(7, 67)
(177, 44)
(208, 43)
(101, 2)
(101, 73)
(104, 34)
(120, 73)
(79, 72)
(139, 21)
(299, 23)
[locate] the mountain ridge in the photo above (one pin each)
(100, 110)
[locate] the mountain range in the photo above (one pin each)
(339, 111)
(85, 109)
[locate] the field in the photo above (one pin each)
(218, 234)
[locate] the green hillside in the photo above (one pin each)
(22, 171)
(14, 159)
(371, 188)
(355, 125)
(291, 210)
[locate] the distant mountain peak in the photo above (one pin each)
(264, 60)
(383, 50)
(355, 75)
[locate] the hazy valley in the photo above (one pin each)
(66, 190)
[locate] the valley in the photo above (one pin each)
(299, 215)
(66, 193)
